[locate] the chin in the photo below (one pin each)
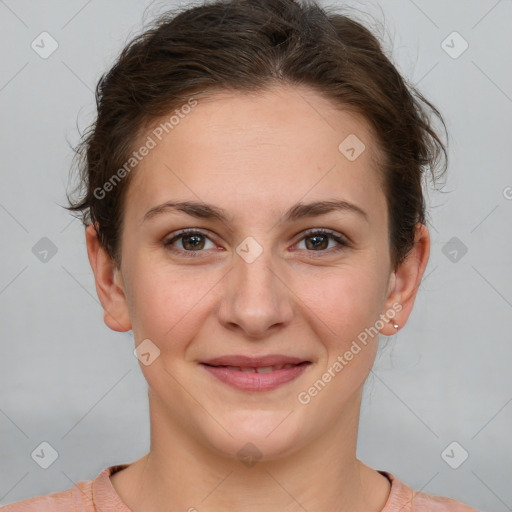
(258, 435)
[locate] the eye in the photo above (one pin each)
(319, 241)
(192, 241)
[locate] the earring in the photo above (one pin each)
(395, 326)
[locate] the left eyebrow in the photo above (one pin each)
(317, 208)
(296, 212)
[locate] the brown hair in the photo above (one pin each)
(247, 46)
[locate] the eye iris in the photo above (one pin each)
(194, 245)
(318, 243)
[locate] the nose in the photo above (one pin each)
(256, 299)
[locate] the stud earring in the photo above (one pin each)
(395, 326)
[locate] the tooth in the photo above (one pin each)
(261, 369)
(264, 369)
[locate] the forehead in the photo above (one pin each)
(259, 150)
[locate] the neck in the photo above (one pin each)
(180, 473)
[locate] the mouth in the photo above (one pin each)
(258, 369)
(256, 374)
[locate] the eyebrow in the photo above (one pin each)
(298, 211)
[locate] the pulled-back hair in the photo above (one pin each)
(249, 46)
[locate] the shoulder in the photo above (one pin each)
(402, 498)
(70, 499)
(78, 498)
(430, 503)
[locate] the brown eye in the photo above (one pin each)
(318, 241)
(190, 242)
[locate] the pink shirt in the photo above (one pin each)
(99, 495)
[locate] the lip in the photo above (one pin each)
(253, 362)
(222, 369)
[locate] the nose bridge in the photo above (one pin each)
(256, 298)
(254, 274)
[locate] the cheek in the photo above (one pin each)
(165, 301)
(345, 299)
(344, 308)
(349, 305)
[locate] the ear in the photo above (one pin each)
(403, 284)
(109, 284)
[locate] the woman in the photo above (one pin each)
(254, 214)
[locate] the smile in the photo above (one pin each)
(260, 378)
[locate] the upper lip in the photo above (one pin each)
(253, 362)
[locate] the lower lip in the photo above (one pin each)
(254, 381)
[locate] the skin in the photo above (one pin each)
(255, 156)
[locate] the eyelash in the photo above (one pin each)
(343, 243)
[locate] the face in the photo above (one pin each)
(265, 278)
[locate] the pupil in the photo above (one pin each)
(317, 243)
(191, 237)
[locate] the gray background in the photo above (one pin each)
(68, 380)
